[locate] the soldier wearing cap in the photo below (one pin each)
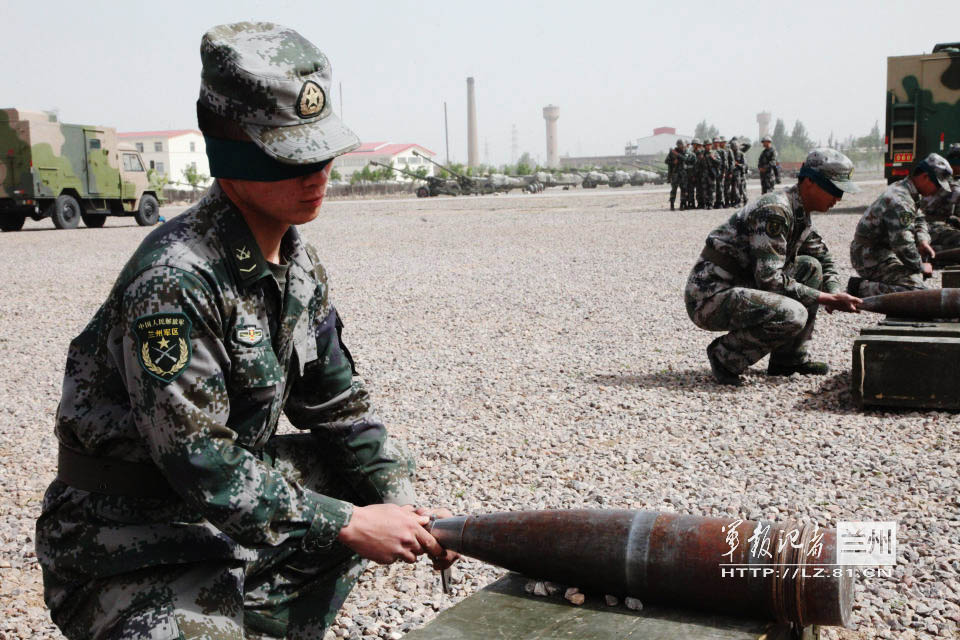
(734, 197)
(689, 177)
(942, 209)
(674, 162)
(177, 510)
(768, 166)
(891, 239)
(697, 173)
(709, 169)
(720, 146)
(763, 274)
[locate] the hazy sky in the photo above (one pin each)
(616, 69)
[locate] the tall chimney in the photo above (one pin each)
(472, 146)
(551, 113)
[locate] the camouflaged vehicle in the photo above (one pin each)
(68, 172)
(923, 107)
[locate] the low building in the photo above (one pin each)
(662, 140)
(399, 155)
(171, 152)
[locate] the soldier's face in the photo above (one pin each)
(766, 144)
(925, 185)
(291, 201)
(816, 199)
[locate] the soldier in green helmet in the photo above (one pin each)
(177, 510)
(763, 274)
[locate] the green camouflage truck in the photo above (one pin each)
(68, 172)
(923, 107)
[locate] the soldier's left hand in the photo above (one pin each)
(926, 250)
(448, 557)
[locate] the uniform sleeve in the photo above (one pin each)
(815, 247)
(920, 229)
(898, 224)
(176, 366)
(333, 402)
(768, 248)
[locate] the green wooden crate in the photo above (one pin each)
(951, 278)
(504, 610)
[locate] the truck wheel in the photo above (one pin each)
(422, 192)
(149, 211)
(93, 220)
(12, 221)
(66, 212)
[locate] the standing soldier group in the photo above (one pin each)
(712, 175)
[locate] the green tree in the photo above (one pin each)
(525, 164)
(194, 178)
(779, 136)
(705, 131)
(335, 175)
(799, 137)
(158, 181)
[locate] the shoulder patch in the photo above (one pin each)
(775, 225)
(906, 218)
(163, 344)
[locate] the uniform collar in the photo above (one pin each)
(912, 190)
(793, 194)
(243, 253)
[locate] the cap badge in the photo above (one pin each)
(311, 100)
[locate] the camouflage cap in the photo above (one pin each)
(733, 139)
(716, 139)
(937, 167)
(275, 85)
(766, 139)
(695, 141)
(831, 165)
(722, 139)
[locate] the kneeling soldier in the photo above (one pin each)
(763, 274)
(892, 239)
(177, 510)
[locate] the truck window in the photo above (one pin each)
(94, 143)
(131, 163)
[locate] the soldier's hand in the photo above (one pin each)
(386, 533)
(447, 558)
(839, 302)
(926, 250)
(927, 270)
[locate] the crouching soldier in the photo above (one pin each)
(763, 274)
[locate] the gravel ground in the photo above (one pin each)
(533, 352)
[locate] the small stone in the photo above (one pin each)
(570, 591)
(539, 589)
(552, 588)
(530, 586)
(633, 604)
(611, 601)
(576, 597)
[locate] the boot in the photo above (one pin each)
(720, 372)
(805, 368)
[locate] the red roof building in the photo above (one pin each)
(399, 155)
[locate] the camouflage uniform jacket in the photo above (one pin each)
(712, 163)
(943, 204)
(674, 162)
(767, 162)
(891, 227)
(764, 239)
(179, 368)
(688, 162)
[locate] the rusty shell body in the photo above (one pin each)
(922, 305)
(668, 558)
(947, 257)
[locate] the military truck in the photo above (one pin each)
(68, 172)
(923, 107)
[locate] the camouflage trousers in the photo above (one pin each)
(285, 593)
(889, 276)
(688, 197)
(707, 187)
(943, 236)
(675, 183)
(718, 193)
(758, 322)
(767, 183)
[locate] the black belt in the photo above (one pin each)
(110, 476)
(725, 262)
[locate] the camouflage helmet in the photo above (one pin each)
(695, 141)
(766, 139)
(680, 142)
(716, 139)
(733, 139)
(829, 168)
(274, 86)
(937, 167)
(722, 139)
